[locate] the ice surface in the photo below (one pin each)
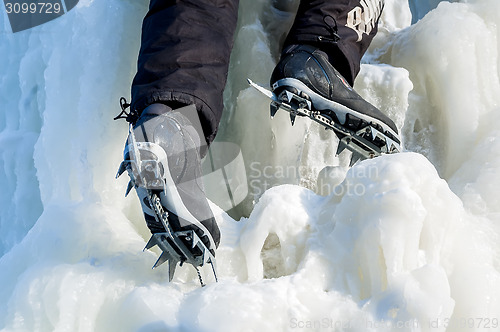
(406, 242)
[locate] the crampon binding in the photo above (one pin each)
(364, 143)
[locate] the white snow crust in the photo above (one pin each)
(406, 242)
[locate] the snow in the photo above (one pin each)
(405, 242)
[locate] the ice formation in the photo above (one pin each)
(405, 242)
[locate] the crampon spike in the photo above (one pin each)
(151, 243)
(274, 108)
(341, 147)
(129, 188)
(354, 159)
(162, 259)
(374, 132)
(121, 169)
(171, 269)
(391, 146)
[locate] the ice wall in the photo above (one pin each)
(406, 242)
(421, 7)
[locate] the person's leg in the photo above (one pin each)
(177, 99)
(343, 29)
(184, 57)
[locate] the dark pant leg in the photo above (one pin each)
(354, 21)
(184, 57)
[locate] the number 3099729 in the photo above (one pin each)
(33, 8)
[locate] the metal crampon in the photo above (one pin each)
(365, 143)
(180, 247)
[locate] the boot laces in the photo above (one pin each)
(131, 116)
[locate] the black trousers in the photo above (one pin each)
(186, 45)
